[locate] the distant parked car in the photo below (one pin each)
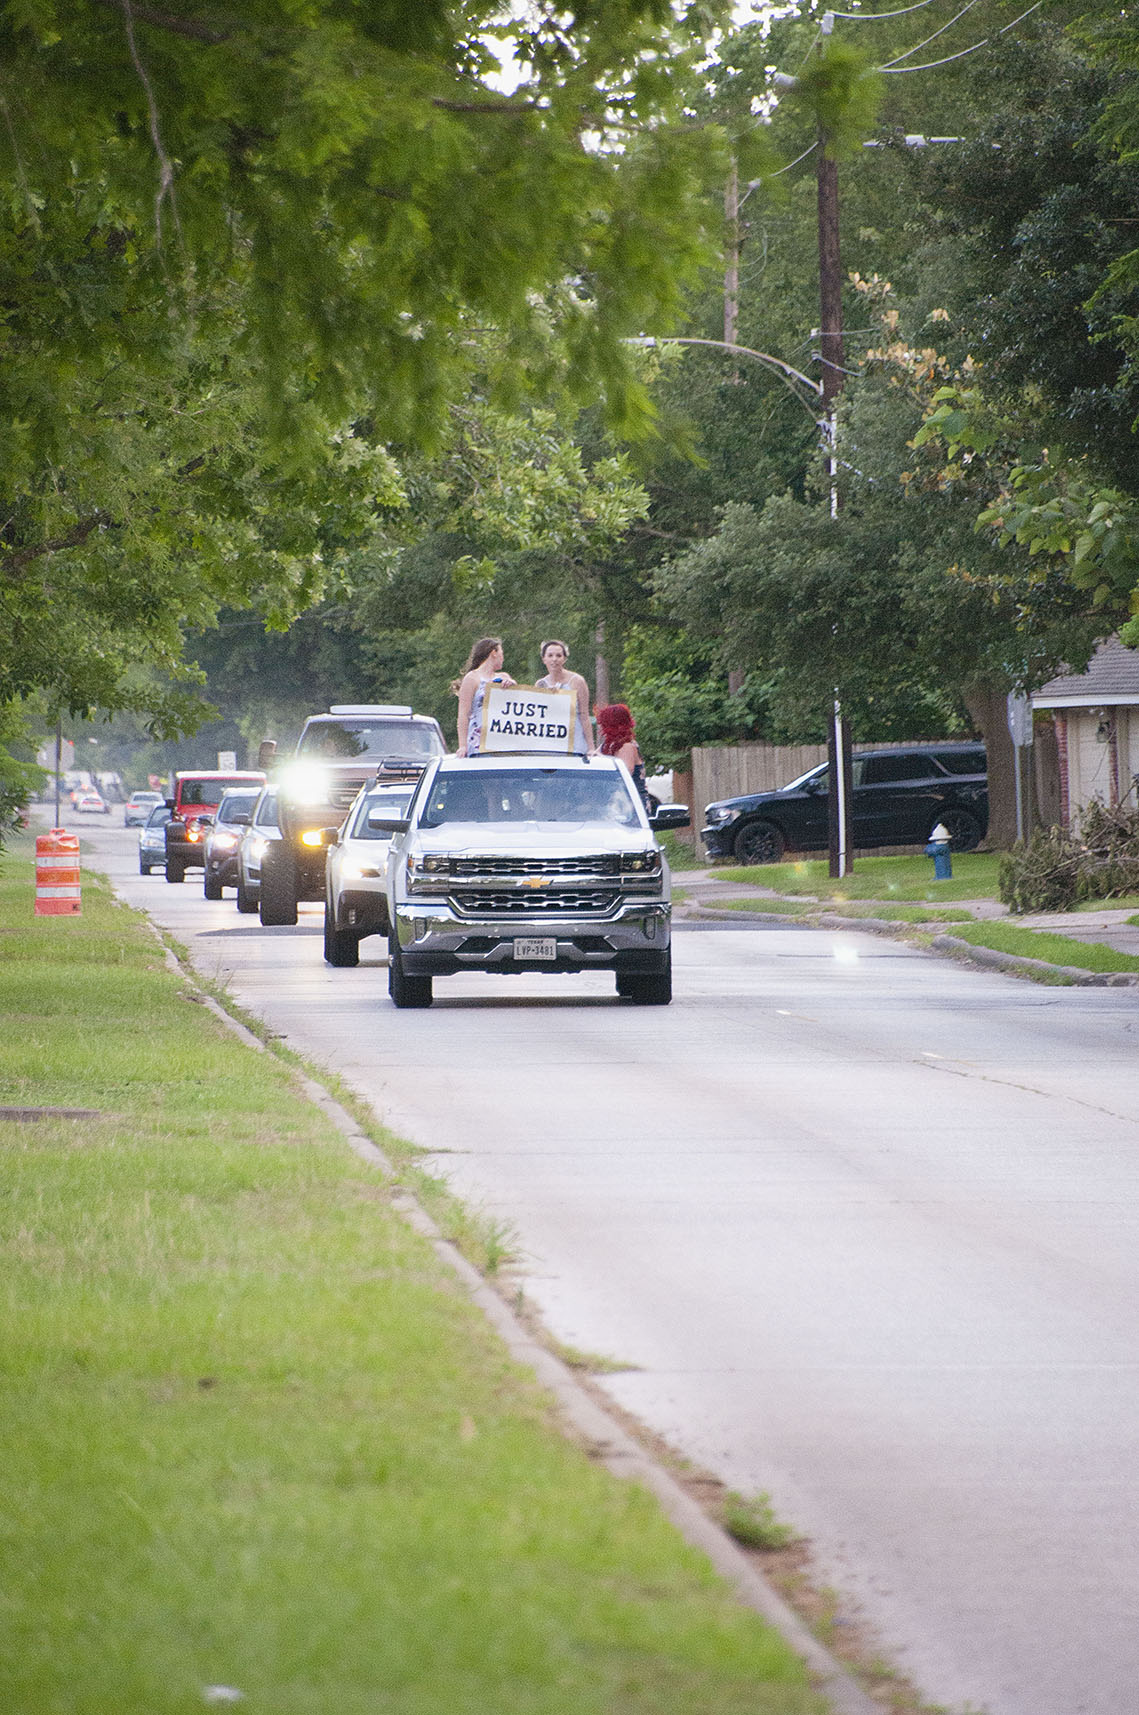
(898, 798)
(152, 840)
(223, 839)
(91, 803)
(138, 807)
(255, 842)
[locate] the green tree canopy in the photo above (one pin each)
(248, 246)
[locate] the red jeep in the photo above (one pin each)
(197, 795)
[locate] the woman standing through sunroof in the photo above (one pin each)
(558, 677)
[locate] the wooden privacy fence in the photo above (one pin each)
(728, 771)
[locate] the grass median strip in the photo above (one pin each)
(1005, 937)
(255, 1437)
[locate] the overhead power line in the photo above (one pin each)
(867, 16)
(895, 70)
(929, 39)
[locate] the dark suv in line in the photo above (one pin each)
(898, 798)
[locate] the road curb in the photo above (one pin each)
(604, 1438)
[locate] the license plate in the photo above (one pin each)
(535, 947)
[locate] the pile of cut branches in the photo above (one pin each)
(1057, 868)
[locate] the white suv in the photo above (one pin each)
(355, 880)
(527, 863)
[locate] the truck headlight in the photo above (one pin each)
(427, 872)
(717, 814)
(640, 863)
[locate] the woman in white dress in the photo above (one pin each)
(559, 678)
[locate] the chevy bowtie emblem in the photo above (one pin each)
(534, 881)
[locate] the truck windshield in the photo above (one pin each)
(530, 795)
(341, 740)
(208, 792)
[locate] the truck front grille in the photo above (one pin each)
(524, 902)
(492, 868)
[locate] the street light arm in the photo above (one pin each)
(785, 371)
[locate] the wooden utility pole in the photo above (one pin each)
(839, 830)
(830, 283)
(732, 248)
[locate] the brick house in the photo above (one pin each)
(1095, 723)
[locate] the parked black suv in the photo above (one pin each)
(898, 795)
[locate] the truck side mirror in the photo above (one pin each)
(266, 753)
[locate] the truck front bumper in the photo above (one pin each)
(436, 941)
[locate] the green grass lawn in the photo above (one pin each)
(681, 854)
(255, 1436)
(887, 878)
(1008, 937)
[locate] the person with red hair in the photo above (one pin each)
(618, 738)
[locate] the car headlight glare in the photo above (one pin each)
(312, 837)
(306, 784)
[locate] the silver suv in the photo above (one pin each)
(527, 863)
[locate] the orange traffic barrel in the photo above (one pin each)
(57, 874)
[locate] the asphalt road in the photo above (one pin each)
(864, 1222)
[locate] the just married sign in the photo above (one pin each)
(517, 717)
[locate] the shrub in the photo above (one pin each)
(1057, 868)
(1042, 874)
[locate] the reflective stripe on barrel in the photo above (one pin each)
(57, 875)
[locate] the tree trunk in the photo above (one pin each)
(989, 709)
(601, 667)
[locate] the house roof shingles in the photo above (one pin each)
(1112, 678)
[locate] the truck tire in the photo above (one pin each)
(405, 991)
(278, 889)
(341, 946)
(211, 886)
(175, 869)
(654, 990)
(246, 901)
